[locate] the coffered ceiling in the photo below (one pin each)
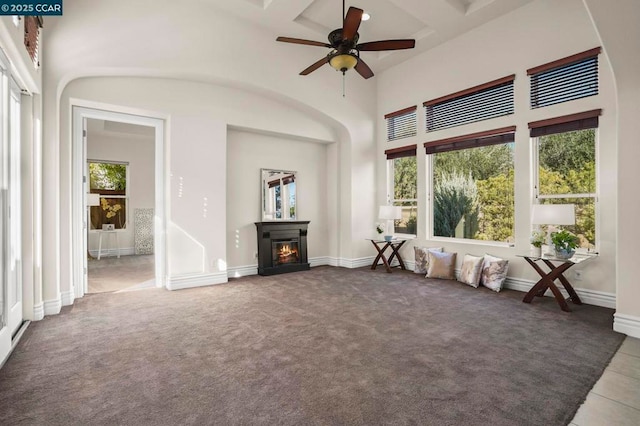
(430, 22)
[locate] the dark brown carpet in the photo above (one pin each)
(330, 346)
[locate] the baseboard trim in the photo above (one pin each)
(127, 251)
(53, 306)
(247, 270)
(627, 324)
(590, 297)
(242, 271)
(67, 297)
(319, 261)
(355, 263)
(200, 280)
(38, 312)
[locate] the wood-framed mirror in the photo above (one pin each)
(278, 190)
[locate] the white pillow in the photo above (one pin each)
(494, 272)
(471, 270)
(422, 258)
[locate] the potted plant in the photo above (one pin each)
(537, 240)
(379, 228)
(565, 243)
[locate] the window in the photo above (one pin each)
(565, 167)
(564, 80)
(472, 193)
(403, 180)
(489, 100)
(401, 124)
(110, 180)
(10, 202)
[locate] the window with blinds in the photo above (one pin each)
(566, 79)
(473, 185)
(32, 25)
(489, 100)
(475, 140)
(402, 178)
(401, 124)
(565, 168)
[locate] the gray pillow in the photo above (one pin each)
(422, 258)
(442, 265)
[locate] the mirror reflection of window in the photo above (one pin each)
(279, 195)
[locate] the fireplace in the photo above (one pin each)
(282, 247)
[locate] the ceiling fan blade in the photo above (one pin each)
(351, 23)
(315, 66)
(386, 45)
(302, 41)
(363, 69)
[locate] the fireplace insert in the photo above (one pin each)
(282, 247)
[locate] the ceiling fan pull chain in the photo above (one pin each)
(343, 80)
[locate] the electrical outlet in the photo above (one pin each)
(577, 275)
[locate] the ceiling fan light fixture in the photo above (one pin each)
(366, 16)
(343, 62)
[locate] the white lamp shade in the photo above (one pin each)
(93, 200)
(390, 212)
(553, 214)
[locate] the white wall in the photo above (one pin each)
(620, 35)
(535, 34)
(95, 40)
(12, 43)
(139, 152)
(197, 117)
(247, 153)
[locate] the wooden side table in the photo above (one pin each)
(547, 280)
(381, 246)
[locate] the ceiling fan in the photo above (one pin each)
(345, 50)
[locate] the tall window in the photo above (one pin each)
(403, 181)
(565, 155)
(473, 186)
(10, 202)
(110, 180)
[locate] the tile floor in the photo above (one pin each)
(615, 398)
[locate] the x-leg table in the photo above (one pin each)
(547, 282)
(381, 246)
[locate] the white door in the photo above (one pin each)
(14, 251)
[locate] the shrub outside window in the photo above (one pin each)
(403, 182)
(473, 186)
(566, 174)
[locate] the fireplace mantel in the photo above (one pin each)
(270, 233)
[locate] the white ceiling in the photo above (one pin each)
(430, 22)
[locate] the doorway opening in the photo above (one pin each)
(119, 203)
(120, 198)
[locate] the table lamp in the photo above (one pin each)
(389, 214)
(553, 214)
